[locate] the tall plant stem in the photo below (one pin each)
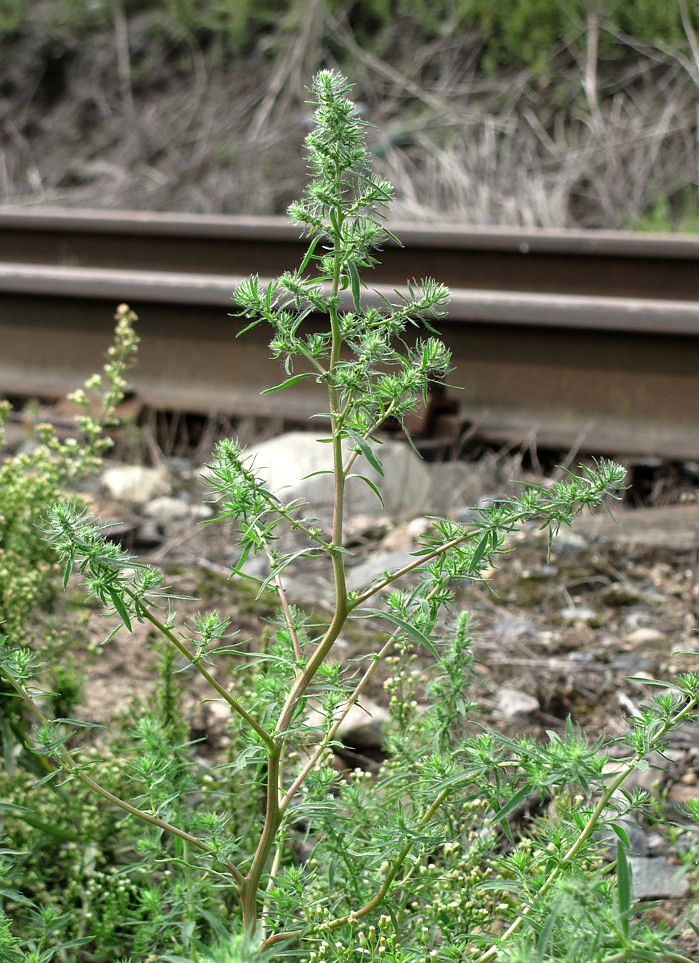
(588, 830)
(273, 812)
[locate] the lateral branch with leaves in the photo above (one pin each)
(371, 373)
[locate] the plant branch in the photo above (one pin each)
(203, 671)
(64, 761)
(588, 829)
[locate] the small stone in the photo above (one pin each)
(657, 878)
(645, 636)
(512, 628)
(619, 594)
(147, 535)
(690, 779)
(135, 484)
(639, 839)
(649, 778)
(363, 726)
(420, 526)
(680, 793)
(514, 704)
(657, 845)
(399, 539)
(574, 614)
(167, 511)
(455, 483)
(218, 711)
(568, 543)
(367, 527)
(634, 663)
(298, 465)
(372, 570)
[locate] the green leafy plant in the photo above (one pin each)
(42, 471)
(430, 856)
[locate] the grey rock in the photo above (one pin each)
(182, 467)
(634, 662)
(290, 465)
(515, 705)
(642, 777)
(568, 544)
(453, 484)
(147, 535)
(639, 840)
(399, 538)
(657, 878)
(166, 510)
(364, 726)
(573, 614)
(619, 594)
(512, 628)
(373, 569)
(646, 636)
(135, 484)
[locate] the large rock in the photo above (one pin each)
(657, 878)
(290, 464)
(363, 727)
(135, 484)
(454, 485)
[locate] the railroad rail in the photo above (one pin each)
(560, 339)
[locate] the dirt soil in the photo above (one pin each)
(617, 598)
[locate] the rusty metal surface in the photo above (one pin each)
(497, 307)
(582, 262)
(607, 391)
(547, 348)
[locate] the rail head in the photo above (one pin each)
(451, 236)
(566, 311)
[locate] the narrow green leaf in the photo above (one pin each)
(309, 253)
(367, 451)
(542, 944)
(369, 482)
(392, 236)
(335, 221)
(288, 383)
(513, 803)
(248, 327)
(79, 941)
(314, 474)
(410, 630)
(624, 884)
(480, 551)
(16, 897)
(622, 834)
(120, 608)
(50, 829)
(356, 289)
(80, 724)
(12, 808)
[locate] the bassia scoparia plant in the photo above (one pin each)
(419, 861)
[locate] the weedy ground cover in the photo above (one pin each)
(273, 854)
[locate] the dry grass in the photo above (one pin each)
(179, 128)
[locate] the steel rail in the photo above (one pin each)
(555, 353)
(611, 263)
(497, 307)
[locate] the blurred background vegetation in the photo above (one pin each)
(522, 112)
